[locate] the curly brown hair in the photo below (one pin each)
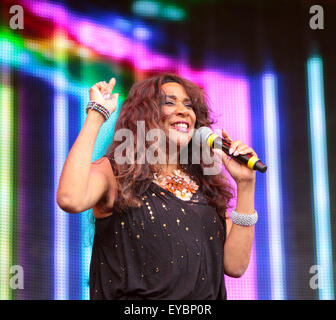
(144, 103)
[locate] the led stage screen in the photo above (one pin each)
(269, 70)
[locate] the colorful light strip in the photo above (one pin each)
(320, 182)
(6, 184)
(273, 181)
(99, 37)
(60, 153)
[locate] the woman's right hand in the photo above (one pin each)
(101, 93)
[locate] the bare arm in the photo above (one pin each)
(238, 245)
(82, 183)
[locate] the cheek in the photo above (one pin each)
(193, 118)
(166, 113)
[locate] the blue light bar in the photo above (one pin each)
(320, 183)
(61, 129)
(273, 181)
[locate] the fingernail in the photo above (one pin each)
(230, 151)
(236, 153)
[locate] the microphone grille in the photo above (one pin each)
(202, 134)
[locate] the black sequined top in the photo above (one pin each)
(166, 249)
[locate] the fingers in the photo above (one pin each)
(101, 87)
(225, 159)
(112, 83)
(101, 93)
(114, 98)
(105, 88)
(237, 148)
(234, 146)
(226, 135)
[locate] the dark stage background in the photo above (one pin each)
(271, 81)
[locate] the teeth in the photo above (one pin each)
(181, 125)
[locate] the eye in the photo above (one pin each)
(169, 103)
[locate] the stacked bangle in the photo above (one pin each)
(99, 108)
(245, 220)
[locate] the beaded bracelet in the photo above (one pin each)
(99, 108)
(245, 220)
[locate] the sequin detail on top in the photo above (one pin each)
(186, 239)
(167, 248)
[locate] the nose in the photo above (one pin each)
(181, 108)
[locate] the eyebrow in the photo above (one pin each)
(174, 97)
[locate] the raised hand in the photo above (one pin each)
(101, 93)
(239, 172)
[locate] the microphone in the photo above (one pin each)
(204, 135)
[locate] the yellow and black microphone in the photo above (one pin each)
(205, 135)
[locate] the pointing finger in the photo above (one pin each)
(111, 84)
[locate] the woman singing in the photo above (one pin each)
(161, 228)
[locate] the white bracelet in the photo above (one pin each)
(245, 220)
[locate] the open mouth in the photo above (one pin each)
(181, 126)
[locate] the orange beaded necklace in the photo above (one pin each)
(180, 184)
